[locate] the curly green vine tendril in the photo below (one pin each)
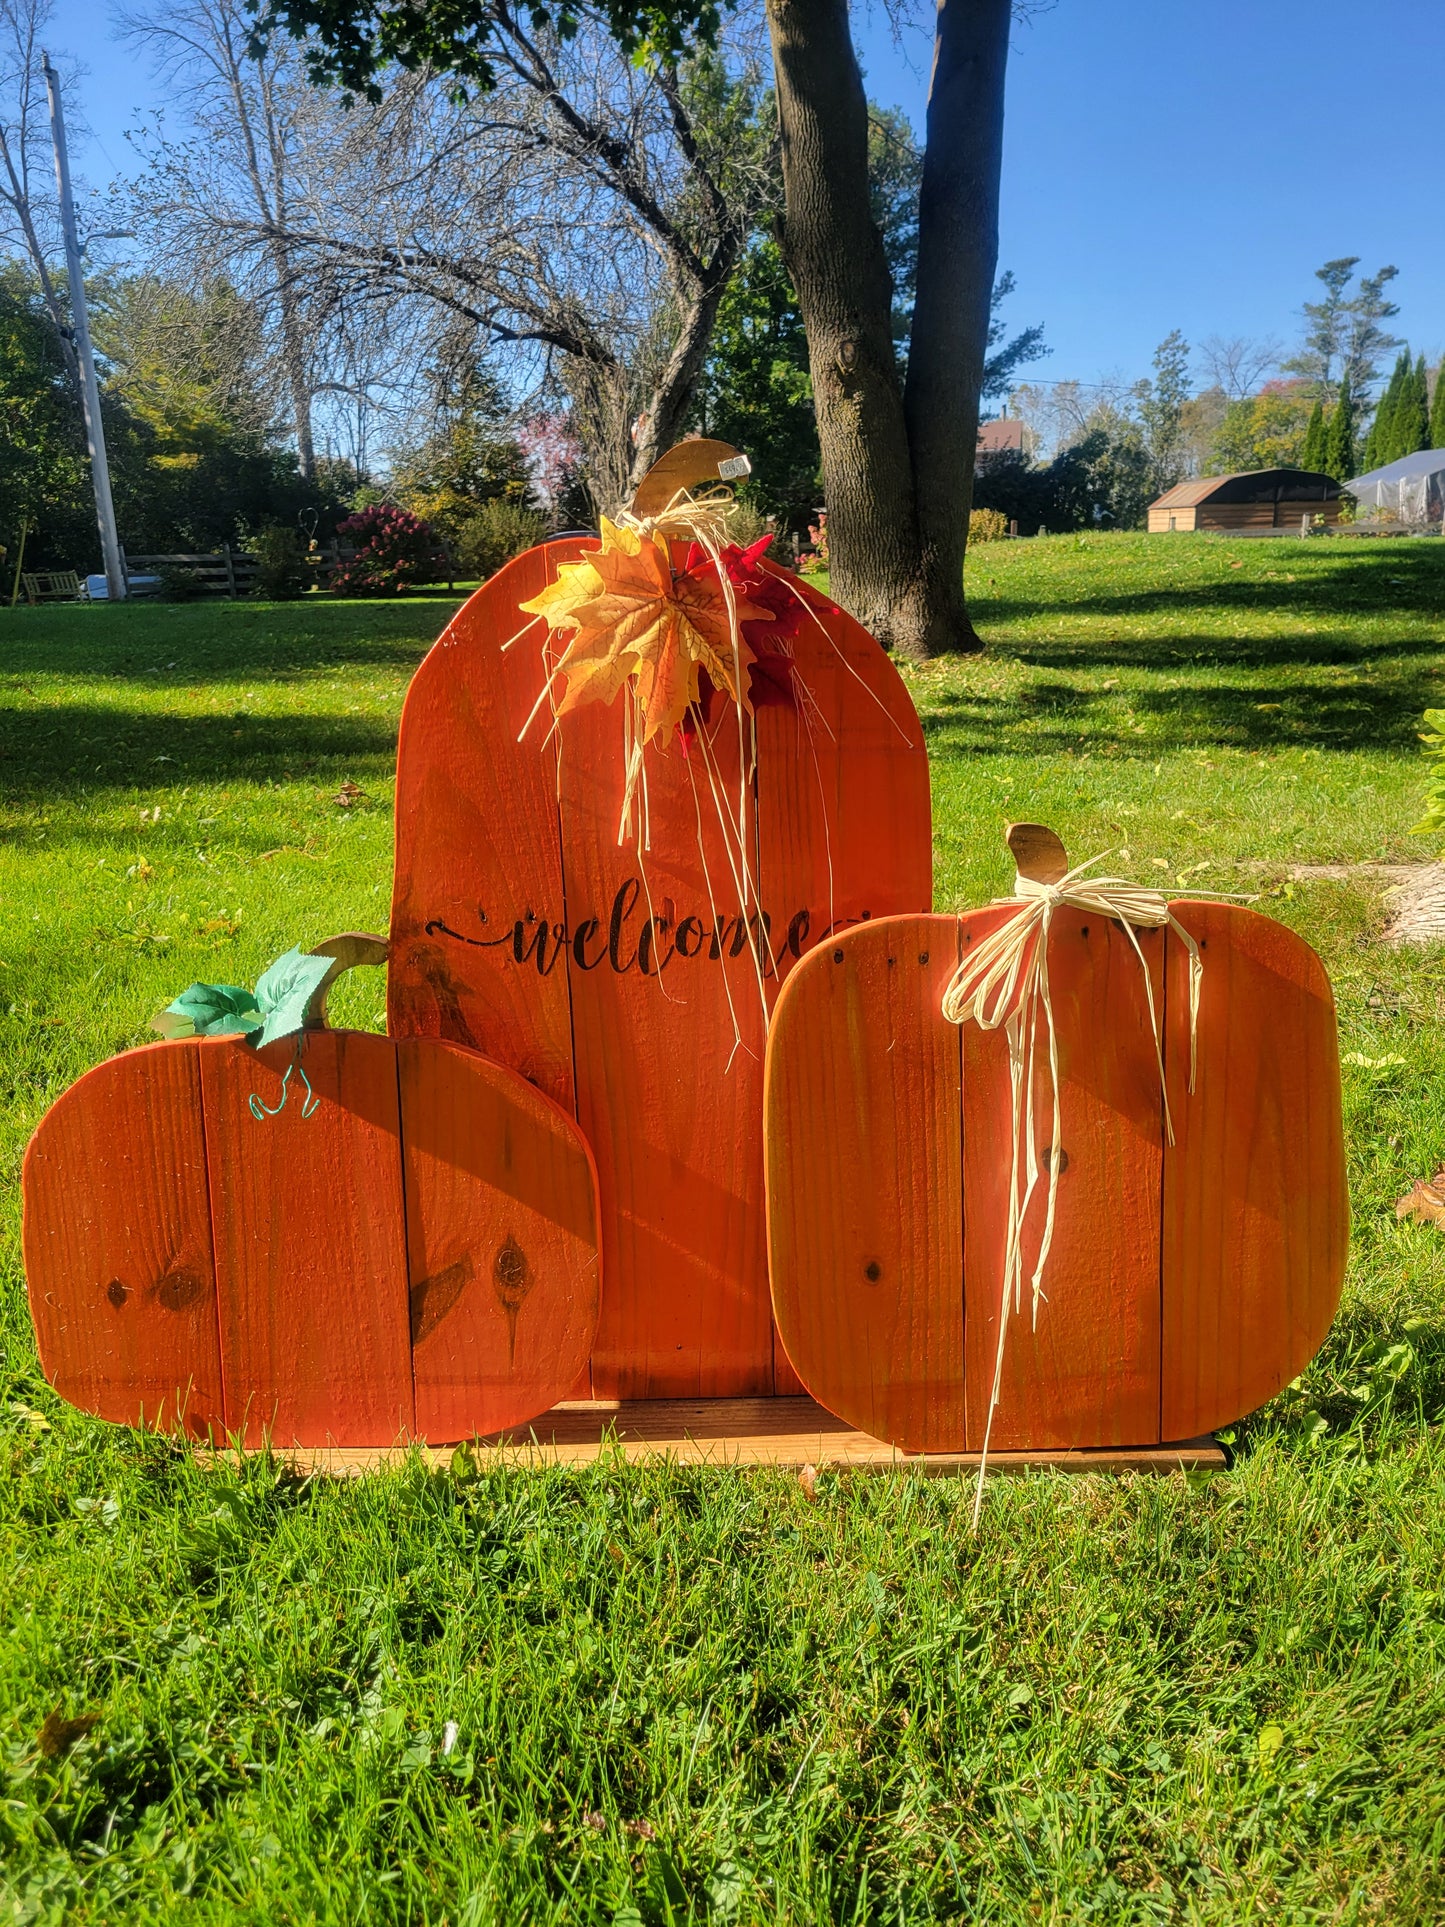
(310, 1102)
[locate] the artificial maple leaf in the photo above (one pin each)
(634, 616)
(1425, 1200)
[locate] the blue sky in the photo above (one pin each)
(1164, 166)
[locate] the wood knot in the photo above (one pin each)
(847, 356)
(511, 1274)
(873, 1271)
(178, 1290)
(117, 1291)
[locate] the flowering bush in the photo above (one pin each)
(987, 525)
(815, 560)
(394, 551)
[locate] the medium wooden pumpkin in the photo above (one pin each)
(1186, 1283)
(339, 1239)
(621, 983)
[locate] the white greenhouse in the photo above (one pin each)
(1410, 491)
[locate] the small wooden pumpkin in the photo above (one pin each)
(1186, 1283)
(337, 1239)
(619, 979)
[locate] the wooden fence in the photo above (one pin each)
(232, 572)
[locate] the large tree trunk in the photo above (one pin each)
(957, 259)
(834, 256)
(898, 477)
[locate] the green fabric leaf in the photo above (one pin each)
(285, 990)
(209, 1010)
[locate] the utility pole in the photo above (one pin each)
(85, 354)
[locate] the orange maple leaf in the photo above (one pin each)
(633, 616)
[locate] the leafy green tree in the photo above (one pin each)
(1266, 430)
(1312, 449)
(1381, 437)
(1161, 411)
(1339, 441)
(1102, 480)
(470, 457)
(1345, 332)
(756, 391)
(1437, 407)
(42, 449)
(1412, 414)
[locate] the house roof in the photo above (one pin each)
(1251, 485)
(1001, 436)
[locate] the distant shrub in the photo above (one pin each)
(282, 574)
(987, 525)
(180, 584)
(813, 561)
(747, 524)
(487, 539)
(394, 552)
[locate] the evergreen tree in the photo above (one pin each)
(1437, 412)
(1381, 435)
(1312, 449)
(1339, 439)
(1412, 414)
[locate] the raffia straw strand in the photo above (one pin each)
(1004, 984)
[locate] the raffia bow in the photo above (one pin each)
(1004, 984)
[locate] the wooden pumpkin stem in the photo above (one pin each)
(1038, 853)
(353, 947)
(699, 460)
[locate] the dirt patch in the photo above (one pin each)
(1417, 906)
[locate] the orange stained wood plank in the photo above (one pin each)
(477, 909)
(844, 815)
(668, 1031)
(501, 1219)
(783, 1433)
(117, 1244)
(865, 1219)
(1088, 1375)
(310, 1243)
(1256, 1215)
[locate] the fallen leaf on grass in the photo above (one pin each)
(808, 1480)
(348, 794)
(59, 1734)
(1425, 1200)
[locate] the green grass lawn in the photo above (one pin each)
(680, 1695)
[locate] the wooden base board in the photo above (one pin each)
(787, 1433)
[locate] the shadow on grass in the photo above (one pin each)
(74, 751)
(1351, 587)
(1207, 650)
(1382, 714)
(172, 645)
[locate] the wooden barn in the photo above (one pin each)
(1259, 499)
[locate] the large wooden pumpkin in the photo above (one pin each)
(1186, 1283)
(339, 1239)
(618, 978)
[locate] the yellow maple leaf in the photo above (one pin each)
(633, 616)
